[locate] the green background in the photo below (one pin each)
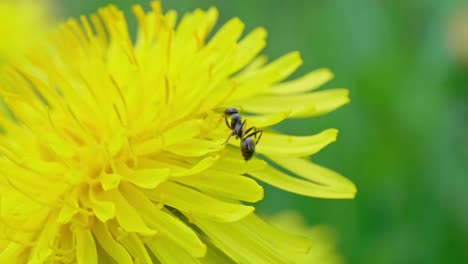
(404, 137)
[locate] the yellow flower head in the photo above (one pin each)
(113, 149)
(22, 22)
(323, 250)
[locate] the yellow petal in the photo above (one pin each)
(148, 178)
(41, 250)
(297, 146)
(233, 162)
(66, 213)
(194, 147)
(282, 67)
(69, 209)
(216, 255)
(260, 121)
(167, 225)
(104, 210)
(109, 181)
(316, 173)
(182, 198)
(276, 237)
(192, 31)
(246, 246)
(135, 246)
(252, 83)
(209, 20)
(11, 252)
(26, 181)
(85, 247)
(295, 185)
(228, 185)
(168, 252)
(127, 216)
(183, 131)
(249, 47)
(228, 33)
(256, 64)
(107, 242)
(303, 105)
(308, 82)
(198, 167)
(180, 168)
(178, 232)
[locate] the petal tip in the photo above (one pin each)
(261, 32)
(201, 251)
(354, 190)
(328, 73)
(346, 95)
(260, 194)
(333, 133)
(213, 11)
(236, 21)
(296, 55)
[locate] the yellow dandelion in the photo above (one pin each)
(22, 23)
(114, 151)
(323, 239)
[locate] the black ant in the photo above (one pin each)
(247, 144)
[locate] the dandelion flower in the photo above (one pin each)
(323, 239)
(114, 149)
(22, 23)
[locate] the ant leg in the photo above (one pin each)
(227, 139)
(259, 137)
(227, 123)
(255, 134)
(250, 129)
(243, 126)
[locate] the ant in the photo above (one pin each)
(247, 144)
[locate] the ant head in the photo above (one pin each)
(230, 111)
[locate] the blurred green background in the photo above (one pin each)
(404, 137)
